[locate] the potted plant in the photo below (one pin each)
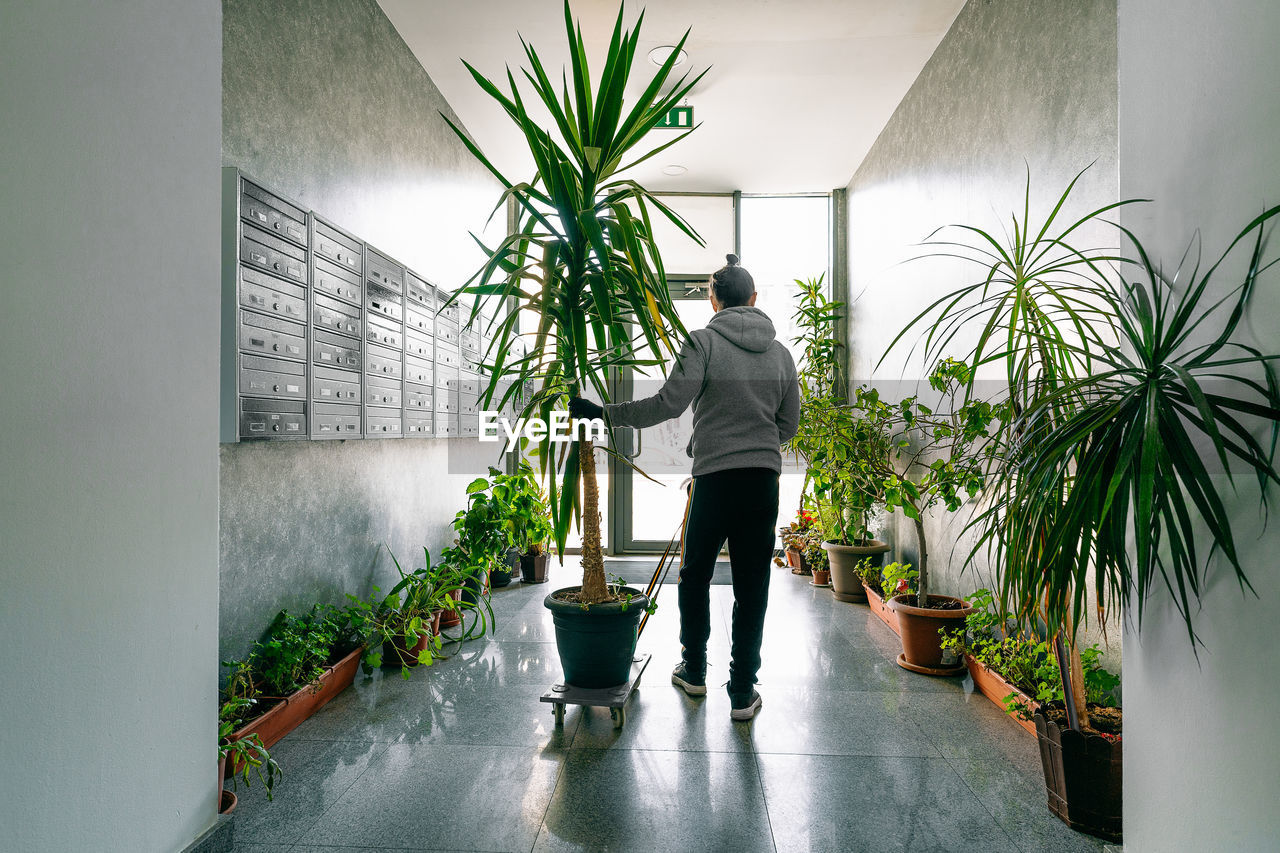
(815, 558)
(934, 456)
(583, 263)
(299, 665)
(795, 538)
(245, 754)
(880, 583)
(401, 627)
(1121, 391)
(531, 530)
(822, 441)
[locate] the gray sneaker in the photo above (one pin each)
(744, 707)
(689, 681)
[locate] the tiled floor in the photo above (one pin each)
(849, 753)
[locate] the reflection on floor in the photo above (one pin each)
(849, 753)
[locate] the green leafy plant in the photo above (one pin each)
(402, 617)
(247, 754)
(1023, 658)
(297, 649)
(871, 574)
(524, 506)
(1038, 307)
(583, 260)
(898, 579)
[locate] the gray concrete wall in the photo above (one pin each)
(1199, 124)
(324, 102)
(109, 365)
(1014, 85)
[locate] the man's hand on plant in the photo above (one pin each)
(584, 409)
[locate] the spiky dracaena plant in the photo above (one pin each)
(1039, 308)
(583, 260)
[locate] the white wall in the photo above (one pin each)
(110, 129)
(1199, 130)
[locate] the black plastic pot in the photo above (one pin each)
(533, 568)
(596, 644)
(501, 576)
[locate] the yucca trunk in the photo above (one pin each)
(594, 588)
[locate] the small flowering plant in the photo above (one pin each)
(798, 533)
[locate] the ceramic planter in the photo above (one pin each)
(878, 607)
(596, 644)
(1083, 777)
(295, 709)
(533, 568)
(992, 685)
(846, 583)
(919, 627)
(227, 801)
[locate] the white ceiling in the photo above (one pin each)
(797, 93)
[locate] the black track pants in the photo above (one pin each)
(740, 505)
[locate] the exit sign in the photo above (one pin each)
(677, 118)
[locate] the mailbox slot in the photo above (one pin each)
(335, 316)
(418, 398)
(387, 393)
(335, 386)
(329, 420)
(418, 371)
(333, 280)
(379, 361)
(273, 255)
(272, 418)
(262, 334)
(383, 271)
(345, 251)
(419, 427)
(377, 332)
(419, 347)
(382, 423)
(272, 214)
(272, 377)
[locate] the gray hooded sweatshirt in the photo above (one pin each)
(742, 383)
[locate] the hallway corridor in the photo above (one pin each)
(849, 753)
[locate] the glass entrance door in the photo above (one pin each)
(782, 238)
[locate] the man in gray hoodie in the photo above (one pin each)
(746, 404)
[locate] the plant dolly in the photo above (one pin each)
(615, 698)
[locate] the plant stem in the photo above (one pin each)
(1071, 671)
(594, 588)
(922, 581)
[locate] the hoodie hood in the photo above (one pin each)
(744, 326)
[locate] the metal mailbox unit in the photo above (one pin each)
(264, 313)
(337, 392)
(325, 337)
(383, 346)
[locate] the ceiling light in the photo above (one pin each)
(674, 170)
(659, 55)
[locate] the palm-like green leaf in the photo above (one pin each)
(584, 261)
(1121, 473)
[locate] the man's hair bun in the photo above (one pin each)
(732, 259)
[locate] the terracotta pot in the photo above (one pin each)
(395, 652)
(533, 568)
(846, 583)
(921, 642)
(451, 618)
(295, 709)
(794, 558)
(992, 685)
(1083, 777)
(877, 605)
(227, 802)
(821, 577)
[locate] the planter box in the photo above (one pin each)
(994, 687)
(877, 605)
(295, 709)
(1083, 778)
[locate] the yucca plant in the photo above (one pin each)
(1148, 443)
(1040, 308)
(583, 260)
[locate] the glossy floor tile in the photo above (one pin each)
(849, 752)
